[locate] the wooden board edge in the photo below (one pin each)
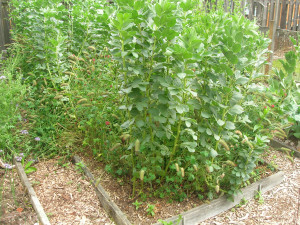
(278, 144)
(217, 206)
(110, 207)
(32, 195)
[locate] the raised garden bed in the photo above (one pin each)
(276, 143)
(194, 215)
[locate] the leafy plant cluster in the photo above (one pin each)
(280, 98)
(163, 94)
(12, 93)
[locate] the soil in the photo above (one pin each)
(279, 54)
(120, 192)
(15, 206)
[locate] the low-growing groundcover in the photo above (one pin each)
(164, 93)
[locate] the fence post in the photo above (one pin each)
(269, 65)
(251, 3)
(2, 37)
(243, 7)
(272, 32)
(283, 14)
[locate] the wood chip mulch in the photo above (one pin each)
(66, 196)
(281, 205)
(15, 207)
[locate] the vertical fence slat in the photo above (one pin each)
(290, 14)
(2, 37)
(284, 14)
(6, 22)
(243, 7)
(295, 19)
(265, 13)
(232, 7)
(251, 2)
(226, 5)
(271, 17)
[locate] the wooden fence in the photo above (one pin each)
(4, 24)
(264, 11)
(288, 13)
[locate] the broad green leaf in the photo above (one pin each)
(232, 58)
(205, 114)
(208, 131)
(242, 80)
(213, 153)
(189, 145)
(237, 48)
(236, 109)
(229, 125)
(220, 122)
(181, 75)
(182, 108)
(127, 124)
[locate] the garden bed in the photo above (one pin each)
(192, 210)
(277, 143)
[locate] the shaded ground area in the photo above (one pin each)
(66, 196)
(15, 207)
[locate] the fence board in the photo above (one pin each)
(265, 13)
(243, 6)
(290, 14)
(296, 12)
(4, 25)
(6, 22)
(283, 19)
(271, 15)
(251, 2)
(2, 40)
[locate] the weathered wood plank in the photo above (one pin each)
(290, 14)
(272, 4)
(251, 2)
(110, 207)
(276, 20)
(203, 212)
(2, 37)
(32, 195)
(284, 14)
(265, 13)
(277, 144)
(243, 7)
(6, 23)
(295, 19)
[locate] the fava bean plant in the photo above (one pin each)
(161, 91)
